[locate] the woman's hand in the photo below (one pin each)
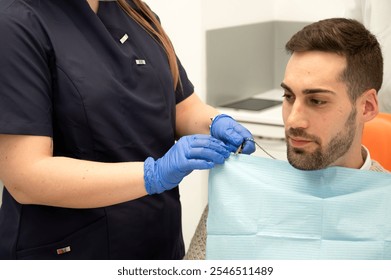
(232, 133)
(189, 153)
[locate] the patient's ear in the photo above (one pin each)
(369, 104)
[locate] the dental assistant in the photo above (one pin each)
(99, 124)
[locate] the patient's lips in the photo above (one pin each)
(297, 142)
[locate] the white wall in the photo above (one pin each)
(182, 20)
(224, 13)
(308, 10)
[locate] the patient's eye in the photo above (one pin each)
(317, 102)
(289, 97)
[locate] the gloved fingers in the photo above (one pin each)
(235, 137)
(232, 133)
(199, 164)
(209, 143)
(220, 124)
(204, 149)
(232, 148)
(248, 147)
(189, 153)
(232, 138)
(208, 155)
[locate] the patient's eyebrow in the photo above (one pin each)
(317, 90)
(284, 86)
(308, 91)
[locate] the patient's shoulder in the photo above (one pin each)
(375, 166)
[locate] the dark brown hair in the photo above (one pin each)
(148, 20)
(349, 38)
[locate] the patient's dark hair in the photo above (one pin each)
(349, 38)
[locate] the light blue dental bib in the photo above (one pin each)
(265, 209)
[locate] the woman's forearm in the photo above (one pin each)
(194, 116)
(33, 176)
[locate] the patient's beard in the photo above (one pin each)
(322, 157)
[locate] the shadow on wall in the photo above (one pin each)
(245, 60)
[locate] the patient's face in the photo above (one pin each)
(320, 120)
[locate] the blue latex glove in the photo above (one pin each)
(232, 133)
(189, 153)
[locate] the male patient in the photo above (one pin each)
(330, 91)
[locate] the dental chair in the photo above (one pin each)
(377, 138)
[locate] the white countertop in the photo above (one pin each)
(265, 123)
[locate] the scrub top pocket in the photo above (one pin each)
(91, 242)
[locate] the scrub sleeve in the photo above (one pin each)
(68, 74)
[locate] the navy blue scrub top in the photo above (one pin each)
(66, 74)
